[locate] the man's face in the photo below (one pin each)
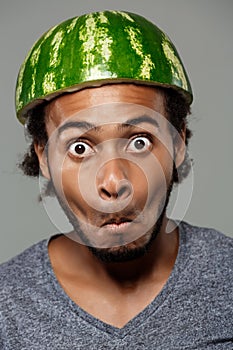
(111, 158)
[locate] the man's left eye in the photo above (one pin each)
(139, 144)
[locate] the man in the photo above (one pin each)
(105, 99)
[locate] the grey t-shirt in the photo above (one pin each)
(193, 310)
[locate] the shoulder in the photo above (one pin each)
(21, 270)
(206, 237)
(209, 250)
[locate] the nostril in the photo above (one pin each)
(113, 194)
(123, 190)
(106, 193)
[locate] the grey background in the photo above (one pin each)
(202, 32)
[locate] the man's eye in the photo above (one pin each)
(139, 144)
(80, 149)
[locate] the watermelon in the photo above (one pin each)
(96, 49)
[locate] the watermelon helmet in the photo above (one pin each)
(97, 49)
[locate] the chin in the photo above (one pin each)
(128, 252)
(118, 254)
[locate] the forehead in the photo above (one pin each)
(136, 97)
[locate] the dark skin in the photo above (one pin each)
(117, 292)
(112, 292)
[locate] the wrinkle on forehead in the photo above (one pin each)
(67, 105)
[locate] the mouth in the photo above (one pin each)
(117, 225)
(116, 222)
(115, 231)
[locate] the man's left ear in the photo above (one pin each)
(180, 148)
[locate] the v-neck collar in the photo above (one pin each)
(143, 316)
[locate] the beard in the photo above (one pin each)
(123, 253)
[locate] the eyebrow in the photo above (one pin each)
(127, 124)
(142, 119)
(77, 125)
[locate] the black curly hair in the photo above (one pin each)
(177, 110)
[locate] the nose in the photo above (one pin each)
(112, 180)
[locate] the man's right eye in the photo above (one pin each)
(80, 149)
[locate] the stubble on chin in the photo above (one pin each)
(130, 251)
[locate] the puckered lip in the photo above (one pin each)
(116, 221)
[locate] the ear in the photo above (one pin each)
(180, 147)
(43, 161)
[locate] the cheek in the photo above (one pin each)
(70, 186)
(158, 169)
(64, 174)
(69, 181)
(165, 162)
(159, 172)
(139, 181)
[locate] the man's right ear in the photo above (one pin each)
(42, 158)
